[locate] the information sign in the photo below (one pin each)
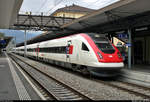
(123, 35)
(129, 44)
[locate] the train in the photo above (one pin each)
(88, 53)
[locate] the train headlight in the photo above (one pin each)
(100, 56)
(119, 55)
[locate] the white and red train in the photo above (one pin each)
(84, 52)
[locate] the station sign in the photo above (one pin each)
(122, 35)
(2, 43)
(129, 44)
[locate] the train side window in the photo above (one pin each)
(84, 47)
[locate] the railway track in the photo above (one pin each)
(54, 89)
(132, 88)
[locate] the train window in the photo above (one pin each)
(30, 50)
(61, 49)
(103, 43)
(84, 47)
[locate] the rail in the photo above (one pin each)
(56, 89)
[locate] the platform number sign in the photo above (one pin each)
(129, 44)
(122, 35)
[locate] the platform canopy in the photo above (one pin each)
(123, 14)
(8, 12)
(129, 9)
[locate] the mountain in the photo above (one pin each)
(19, 34)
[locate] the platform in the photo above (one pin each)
(138, 73)
(141, 68)
(13, 86)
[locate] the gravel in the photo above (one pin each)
(95, 90)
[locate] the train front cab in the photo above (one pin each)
(109, 58)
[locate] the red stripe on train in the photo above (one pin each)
(71, 49)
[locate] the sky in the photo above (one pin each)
(49, 6)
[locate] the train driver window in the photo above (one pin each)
(84, 47)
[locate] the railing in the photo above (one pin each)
(39, 22)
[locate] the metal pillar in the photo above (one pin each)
(112, 38)
(109, 36)
(25, 43)
(129, 48)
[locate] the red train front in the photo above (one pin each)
(109, 59)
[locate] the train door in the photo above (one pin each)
(68, 48)
(37, 52)
(77, 51)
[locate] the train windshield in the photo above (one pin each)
(105, 47)
(103, 44)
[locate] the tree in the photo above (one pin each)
(1, 35)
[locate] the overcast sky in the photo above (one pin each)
(49, 6)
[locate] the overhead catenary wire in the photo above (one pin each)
(56, 2)
(43, 4)
(106, 3)
(54, 6)
(93, 3)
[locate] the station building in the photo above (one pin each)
(73, 11)
(141, 48)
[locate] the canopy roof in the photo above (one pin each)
(8, 12)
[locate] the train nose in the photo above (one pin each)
(110, 58)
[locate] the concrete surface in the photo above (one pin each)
(8, 88)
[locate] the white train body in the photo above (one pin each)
(77, 52)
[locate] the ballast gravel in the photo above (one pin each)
(95, 90)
